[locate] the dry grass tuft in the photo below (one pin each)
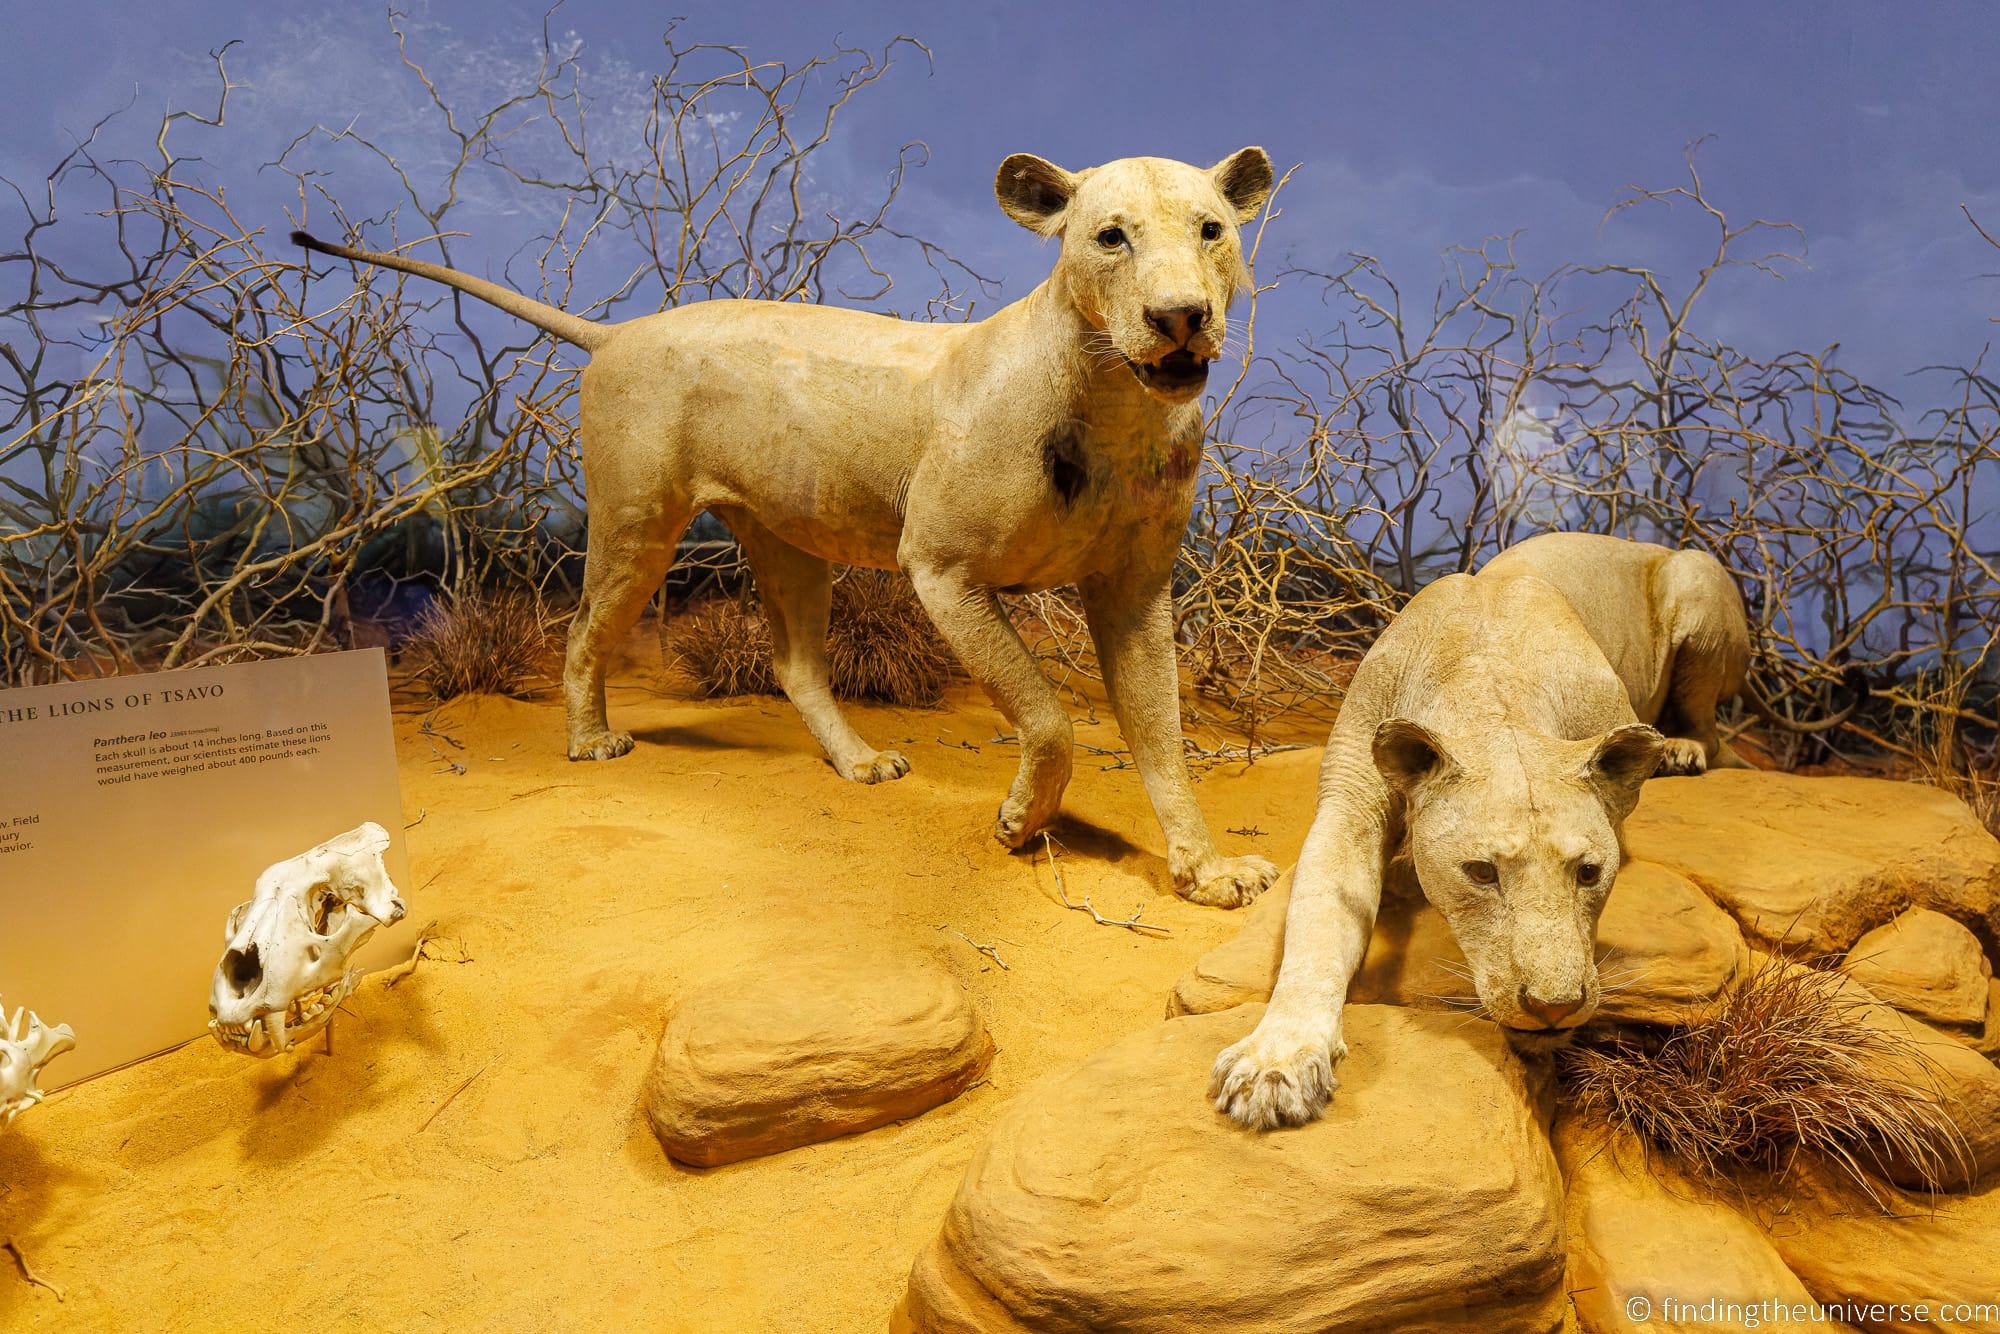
(880, 645)
(479, 643)
(1786, 1065)
(723, 647)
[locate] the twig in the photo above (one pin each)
(423, 813)
(988, 950)
(13, 1248)
(1246, 831)
(439, 1111)
(1131, 923)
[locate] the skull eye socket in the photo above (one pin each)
(323, 905)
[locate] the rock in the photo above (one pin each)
(1987, 1044)
(1242, 969)
(1966, 1084)
(1927, 965)
(1114, 1197)
(1669, 949)
(1814, 862)
(1936, 1251)
(792, 1054)
(1640, 1232)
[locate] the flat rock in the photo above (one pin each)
(1114, 1197)
(1815, 862)
(1668, 949)
(1925, 964)
(1988, 1042)
(798, 1052)
(1940, 1252)
(1964, 1083)
(1639, 1232)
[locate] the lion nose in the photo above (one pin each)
(1179, 323)
(1550, 1012)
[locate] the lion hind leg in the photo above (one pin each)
(1711, 652)
(796, 588)
(625, 561)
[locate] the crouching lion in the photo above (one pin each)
(1053, 443)
(1488, 744)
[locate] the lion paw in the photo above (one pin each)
(1015, 824)
(603, 746)
(1227, 882)
(1281, 1075)
(1681, 756)
(884, 766)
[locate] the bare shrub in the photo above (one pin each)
(880, 645)
(480, 643)
(1784, 1065)
(208, 448)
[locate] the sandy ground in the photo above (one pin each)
(472, 1154)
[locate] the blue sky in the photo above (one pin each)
(1414, 125)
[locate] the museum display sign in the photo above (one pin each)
(138, 812)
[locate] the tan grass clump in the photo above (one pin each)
(479, 643)
(880, 645)
(1786, 1065)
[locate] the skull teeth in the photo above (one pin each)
(274, 1031)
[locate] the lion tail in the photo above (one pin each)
(1855, 679)
(586, 334)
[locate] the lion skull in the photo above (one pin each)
(285, 966)
(25, 1047)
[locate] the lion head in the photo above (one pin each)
(1151, 255)
(1515, 839)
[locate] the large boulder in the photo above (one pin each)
(1668, 949)
(1411, 959)
(1964, 1085)
(1115, 1197)
(1927, 965)
(1642, 1236)
(1916, 1263)
(1812, 863)
(793, 1053)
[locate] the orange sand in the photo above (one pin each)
(472, 1153)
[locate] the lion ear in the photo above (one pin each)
(1034, 192)
(1620, 762)
(1244, 178)
(1408, 754)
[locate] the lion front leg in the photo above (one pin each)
(1283, 1073)
(972, 622)
(1131, 622)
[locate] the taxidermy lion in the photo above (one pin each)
(1054, 443)
(1488, 744)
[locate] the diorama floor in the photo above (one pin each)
(473, 1154)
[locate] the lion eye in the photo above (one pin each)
(1482, 873)
(1111, 237)
(1589, 873)
(1211, 230)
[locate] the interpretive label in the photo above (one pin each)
(136, 811)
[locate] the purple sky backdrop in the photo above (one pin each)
(1415, 126)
